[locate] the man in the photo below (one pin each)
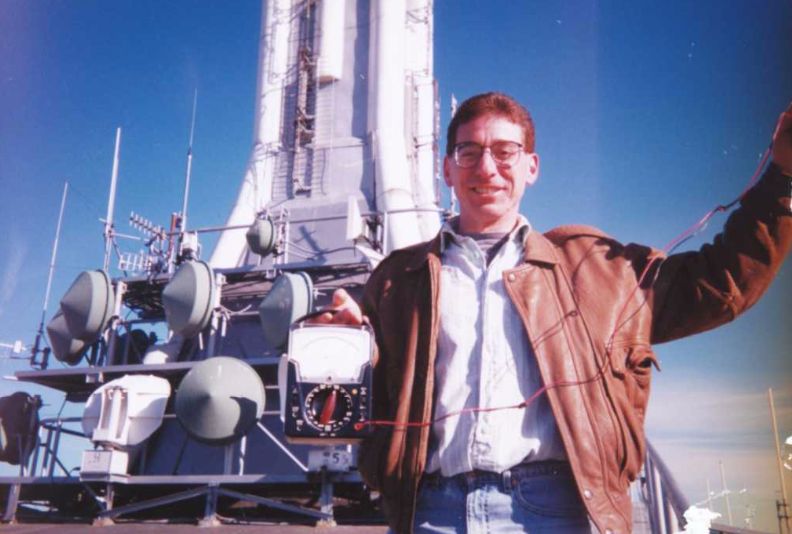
(491, 313)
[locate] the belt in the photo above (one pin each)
(478, 476)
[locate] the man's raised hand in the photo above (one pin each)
(782, 142)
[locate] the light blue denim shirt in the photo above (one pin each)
(484, 360)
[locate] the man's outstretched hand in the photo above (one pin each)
(782, 142)
(346, 309)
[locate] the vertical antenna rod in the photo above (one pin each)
(108, 233)
(189, 166)
(51, 272)
(54, 251)
(453, 207)
(709, 496)
(783, 510)
(725, 493)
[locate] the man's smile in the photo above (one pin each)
(486, 190)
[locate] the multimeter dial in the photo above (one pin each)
(328, 407)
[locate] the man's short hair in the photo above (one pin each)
(493, 103)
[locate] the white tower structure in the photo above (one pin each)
(346, 106)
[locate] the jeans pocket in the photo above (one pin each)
(550, 495)
(440, 508)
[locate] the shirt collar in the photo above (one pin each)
(538, 249)
(449, 234)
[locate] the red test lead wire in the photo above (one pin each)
(668, 249)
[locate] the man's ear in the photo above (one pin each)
(533, 168)
(447, 171)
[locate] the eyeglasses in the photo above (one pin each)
(505, 153)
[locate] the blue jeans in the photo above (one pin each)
(535, 498)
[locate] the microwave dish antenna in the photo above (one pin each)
(220, 400)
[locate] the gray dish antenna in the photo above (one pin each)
(66, 348)
(290, 297)
(220, 400)
(88, 305)
(261, 236)
(188, 297)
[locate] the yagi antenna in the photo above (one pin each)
(189, 166)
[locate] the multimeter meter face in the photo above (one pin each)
(325, 384)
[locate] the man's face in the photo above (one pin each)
(489, 194)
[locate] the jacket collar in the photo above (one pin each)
(425, 252)
(538, 249)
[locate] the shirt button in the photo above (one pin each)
(512, 277)
(609, 531)
(587, 494)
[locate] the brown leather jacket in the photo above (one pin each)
(577, 296)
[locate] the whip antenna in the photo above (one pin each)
(189, 166)
(35, 350)
(109, 231)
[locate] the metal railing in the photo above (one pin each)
(660, 496)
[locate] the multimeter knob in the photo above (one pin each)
(328, 407)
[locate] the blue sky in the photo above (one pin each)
(648, 114)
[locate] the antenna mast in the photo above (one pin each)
(782, 505)
(189, 167)
(40, 333)
(109, 230)
(453, 207)
(725, 493)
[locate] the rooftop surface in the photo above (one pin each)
(123, 528)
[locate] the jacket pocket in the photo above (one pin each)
(631, 372)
